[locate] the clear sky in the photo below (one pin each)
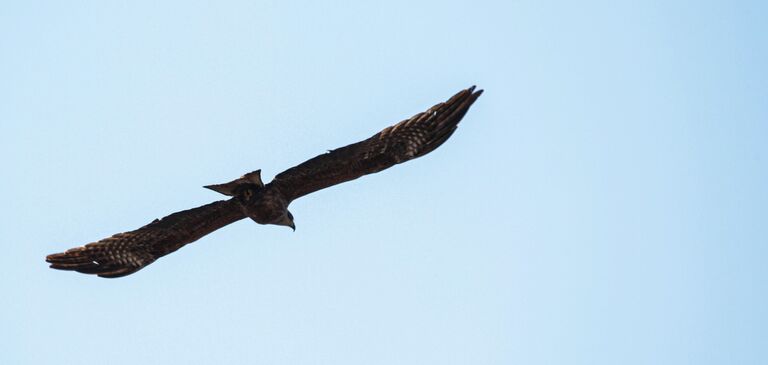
(604, 202)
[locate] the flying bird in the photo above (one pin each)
(128, 252)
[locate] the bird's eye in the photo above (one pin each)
(247, 194)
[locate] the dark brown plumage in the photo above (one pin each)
(409, 139)
(126, 253)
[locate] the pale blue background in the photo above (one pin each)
(603, 203)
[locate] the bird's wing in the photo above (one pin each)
(409, 139)
(128, 252)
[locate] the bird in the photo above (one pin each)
(128, 252)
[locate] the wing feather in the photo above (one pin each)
(128, 252)
(409, 139)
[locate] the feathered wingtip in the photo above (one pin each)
(230, 188)
(79, 259)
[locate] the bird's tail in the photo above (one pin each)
(231, 188)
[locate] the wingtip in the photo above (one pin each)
(471, 95)
(474, 92)
(53, 258)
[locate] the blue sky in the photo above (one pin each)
(604, 201)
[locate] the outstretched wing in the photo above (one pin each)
(128, 252)
(409, 139)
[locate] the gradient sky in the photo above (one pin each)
(604, 202)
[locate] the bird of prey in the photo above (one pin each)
(125, 253)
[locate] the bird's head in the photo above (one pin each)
(286, 220)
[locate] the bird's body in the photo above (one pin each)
(126, 253)
(267, 205)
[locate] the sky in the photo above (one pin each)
(603, 202)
